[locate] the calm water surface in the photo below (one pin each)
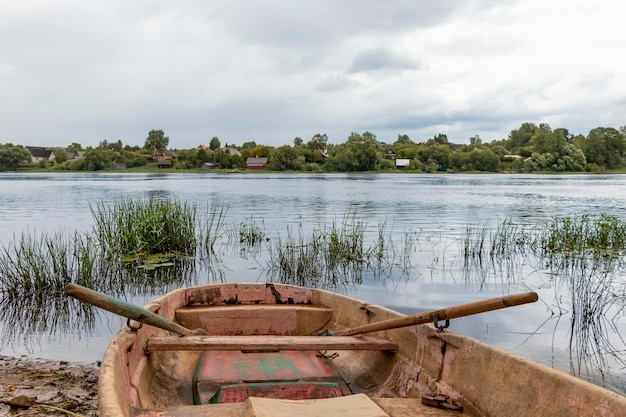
(436, 207)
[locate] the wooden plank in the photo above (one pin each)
(350, 405)
(261, 319)
(393, 407)
(209, 410)
(413, 407)
(269, 343)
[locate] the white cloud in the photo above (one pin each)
(268, 71)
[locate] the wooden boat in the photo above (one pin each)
(261, 357)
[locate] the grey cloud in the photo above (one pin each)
(334, 82)
(380, 59)
(313, 24)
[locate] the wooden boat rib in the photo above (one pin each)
(258, 347)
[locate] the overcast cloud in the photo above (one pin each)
(268, 71)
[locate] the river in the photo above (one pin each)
(437, 209)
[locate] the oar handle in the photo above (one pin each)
(127, 310)
(443, 314)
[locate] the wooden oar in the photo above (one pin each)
(443, 314)
(128, 310)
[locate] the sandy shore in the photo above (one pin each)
(28, 386)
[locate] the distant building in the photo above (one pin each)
(232, 151)
(207, 166)
(256, 162)
(38, 154)
(390, 154)
(164, 163)
(403, 163)
(75, 155)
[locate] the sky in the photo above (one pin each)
(75, 71)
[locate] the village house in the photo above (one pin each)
(232, 151)
(390, 154)
(164, 163)
(38, 154)
(403, 163)
(256, 162)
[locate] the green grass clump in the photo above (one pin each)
(139, 228)
(604, 233)
(251, 234)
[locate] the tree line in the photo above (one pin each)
(529, 148)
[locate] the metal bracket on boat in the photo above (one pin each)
(439, 328)
(134, 329)
(441, 401)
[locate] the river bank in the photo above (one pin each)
(53, 388)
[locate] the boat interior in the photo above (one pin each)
(267, 352)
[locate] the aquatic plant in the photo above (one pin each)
(140, 227)
(41, 265)
(323, 259)
(250, 233)
(210, 227)
(602, 234)
(338, 255)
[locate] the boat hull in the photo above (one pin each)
(424, 363)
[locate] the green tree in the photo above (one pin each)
(202, 156)
(318, 142)
(113, 146)
(249, 145)
(297, 141)
(225, 160)
(434, 154)
(339, 160)
(215, 143)
(605, 146)
(568, 158)
(12, 156)
(98, 159)
(156, 141)
(284, 158)
(363, 152)
(60, 156)
(74, 147)
(260, 151)
(484, 160)
(519, 138)
(403, 139)
(439, 139)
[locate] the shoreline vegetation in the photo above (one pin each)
(136, 247)
(152, 168)
(530, 148)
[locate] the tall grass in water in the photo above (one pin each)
(33, 274)
(597, 299)
(584, 257)
(337, 255)
(211, 227)
(250, 233)
(602, 234)
(45, 265)
(139, 228)
(329, 257)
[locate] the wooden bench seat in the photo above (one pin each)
(269, 343)
(259, 319)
